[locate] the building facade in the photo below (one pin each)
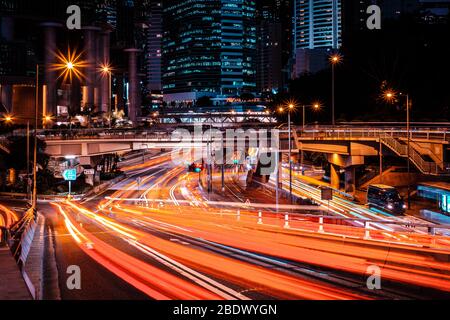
(269, 70)
(154, 55)
(209, 49)
(317, 33)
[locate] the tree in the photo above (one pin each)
(17, 158)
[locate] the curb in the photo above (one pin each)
(32, 270)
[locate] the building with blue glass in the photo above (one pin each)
(209, 49)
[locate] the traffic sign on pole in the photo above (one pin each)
(70, 174)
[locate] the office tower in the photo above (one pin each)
(269, 70)
(154, 55)
(209, 49)
(317, 33)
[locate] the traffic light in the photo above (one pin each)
(196, 167)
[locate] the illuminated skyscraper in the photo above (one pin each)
(209, 49)
(317, 32)
(155, 46)
(269, 70)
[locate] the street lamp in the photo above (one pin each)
(391, 96)
(334, 60)
(107, 70)
(45, 119)
(69, 65)
(290, 108)
(8, 119)
(69, 68)
(315, 106)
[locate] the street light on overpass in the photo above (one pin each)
(335, 59)
(391, 96)
(316, 106)
(290, 108)
(107, 71)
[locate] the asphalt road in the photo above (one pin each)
(173, 243)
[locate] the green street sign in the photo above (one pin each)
(70, 174)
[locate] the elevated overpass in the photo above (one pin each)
(91, 143)
(347, 147)
(429, 148)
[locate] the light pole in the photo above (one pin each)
(315, 106)
(408, 131)
(391, 96)
(34, 197)
(69, 66)
(290, 107)
(334, 60)
(28, 160)
(106, 69)
(10, 120)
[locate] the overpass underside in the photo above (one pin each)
(346, 153)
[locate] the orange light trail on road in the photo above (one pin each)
(239, 272)
(11, 216)
(408, 258)
(152, 281)
(316, 249)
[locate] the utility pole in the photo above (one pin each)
(223, 175)
(381, 160)
(110, 99)
(34, 202)
(277, 175)
(302, 156)
(28, 162)
(290, 155)
(333, 116)
(408, 130)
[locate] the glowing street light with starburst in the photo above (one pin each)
(69, 65)
(106, 71)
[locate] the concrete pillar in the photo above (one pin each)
(334, 176)
(50, 76)
(133, 89)
(91, 70)
(350, 179)
(6, 97)
(105, 60)
(98, 90)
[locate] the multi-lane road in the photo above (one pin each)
(158, 235)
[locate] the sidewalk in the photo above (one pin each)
(12, 285)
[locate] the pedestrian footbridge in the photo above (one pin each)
(429, 149)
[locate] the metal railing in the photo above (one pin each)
(435, 134)
(389, 137)
(426, 167)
